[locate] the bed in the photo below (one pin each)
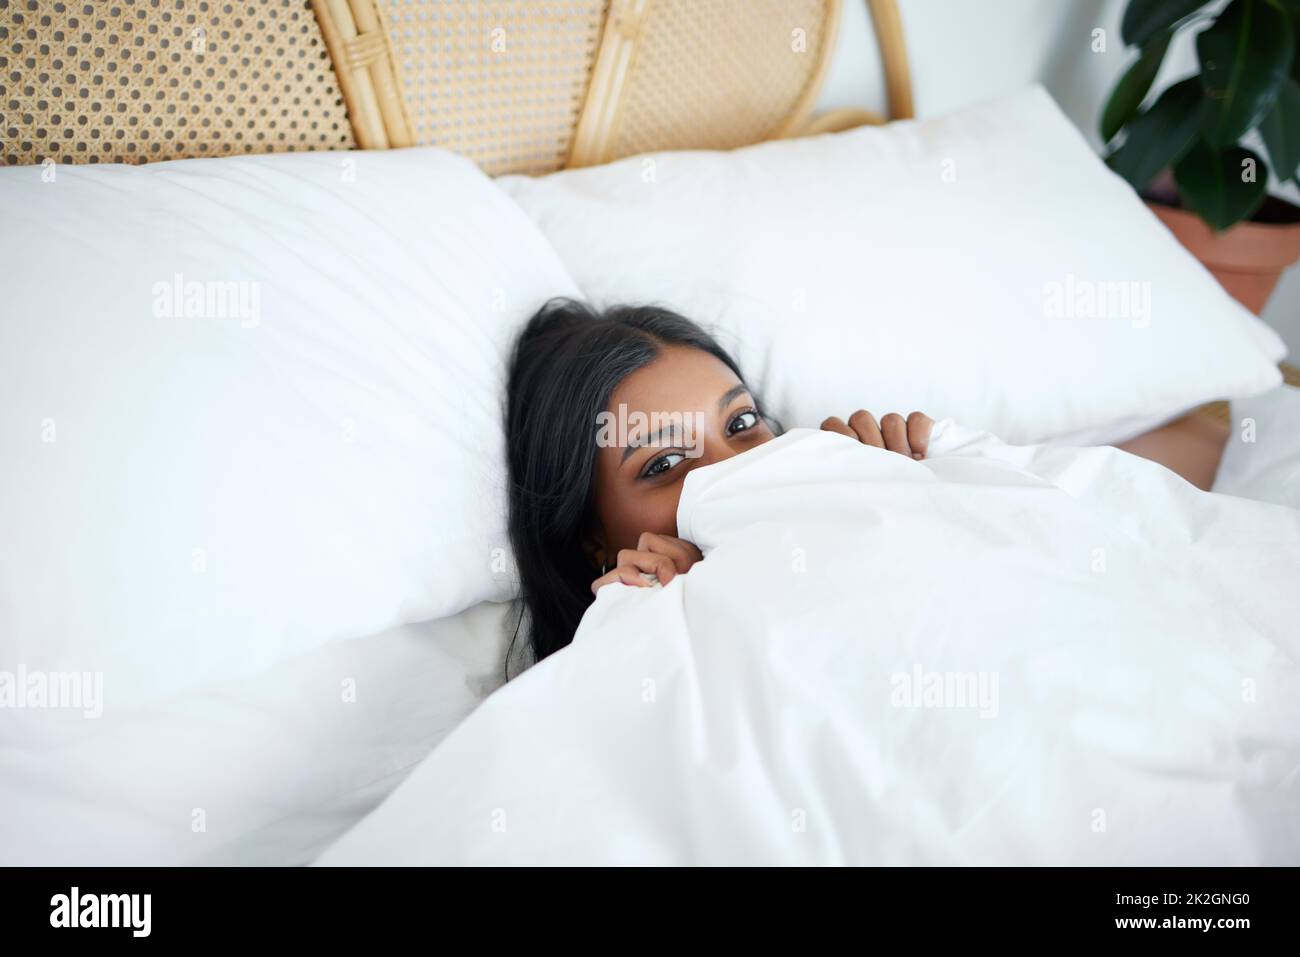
(252, 385)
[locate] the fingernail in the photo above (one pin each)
(918, 456)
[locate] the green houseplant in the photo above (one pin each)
(1195, 153)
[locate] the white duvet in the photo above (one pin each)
(999, 655)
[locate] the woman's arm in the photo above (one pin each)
(1191, 446)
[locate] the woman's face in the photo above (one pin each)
(683, 411)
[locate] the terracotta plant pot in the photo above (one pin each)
(1248, 259)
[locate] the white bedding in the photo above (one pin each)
(1262, 457)
(998, 655)
(263, 770)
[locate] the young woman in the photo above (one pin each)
(586, 512)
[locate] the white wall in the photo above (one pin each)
(965, 51)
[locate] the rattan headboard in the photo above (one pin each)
(135, 80)
(533, 87)
(517, 85)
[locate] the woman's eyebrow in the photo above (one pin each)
(738, 389)
(649, 442)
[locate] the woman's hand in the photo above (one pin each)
(910, 436)
(663, 556)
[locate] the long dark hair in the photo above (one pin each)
(567, 362)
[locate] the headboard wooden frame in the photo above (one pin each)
(520, 86)
(641, 75)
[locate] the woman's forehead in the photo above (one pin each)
(680, 378)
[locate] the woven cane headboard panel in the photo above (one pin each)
(135, 80)
(531, 87)
(500, 82)
(517, 85)
(749, 68)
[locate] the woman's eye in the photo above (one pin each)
(742, 422)
(663, 464)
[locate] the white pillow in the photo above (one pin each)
(191, 492)
(940, 265)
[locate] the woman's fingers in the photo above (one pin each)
(836, 424)
(919, 427)
(663, 556)
(864, 426)
(606, 579)
(910, 436)
(682, 553)
(861, 426)
(632, 574)
(894, 428)
(654, 563)
(631, 563)
(627, 574)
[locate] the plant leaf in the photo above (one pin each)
(1280, 130)
(1214, 183)
(1161, 135)
(1244, 56)
(1143, 19)
(1133, 87)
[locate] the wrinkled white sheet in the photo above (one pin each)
(1000, 655)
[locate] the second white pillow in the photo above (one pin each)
(985, 265)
